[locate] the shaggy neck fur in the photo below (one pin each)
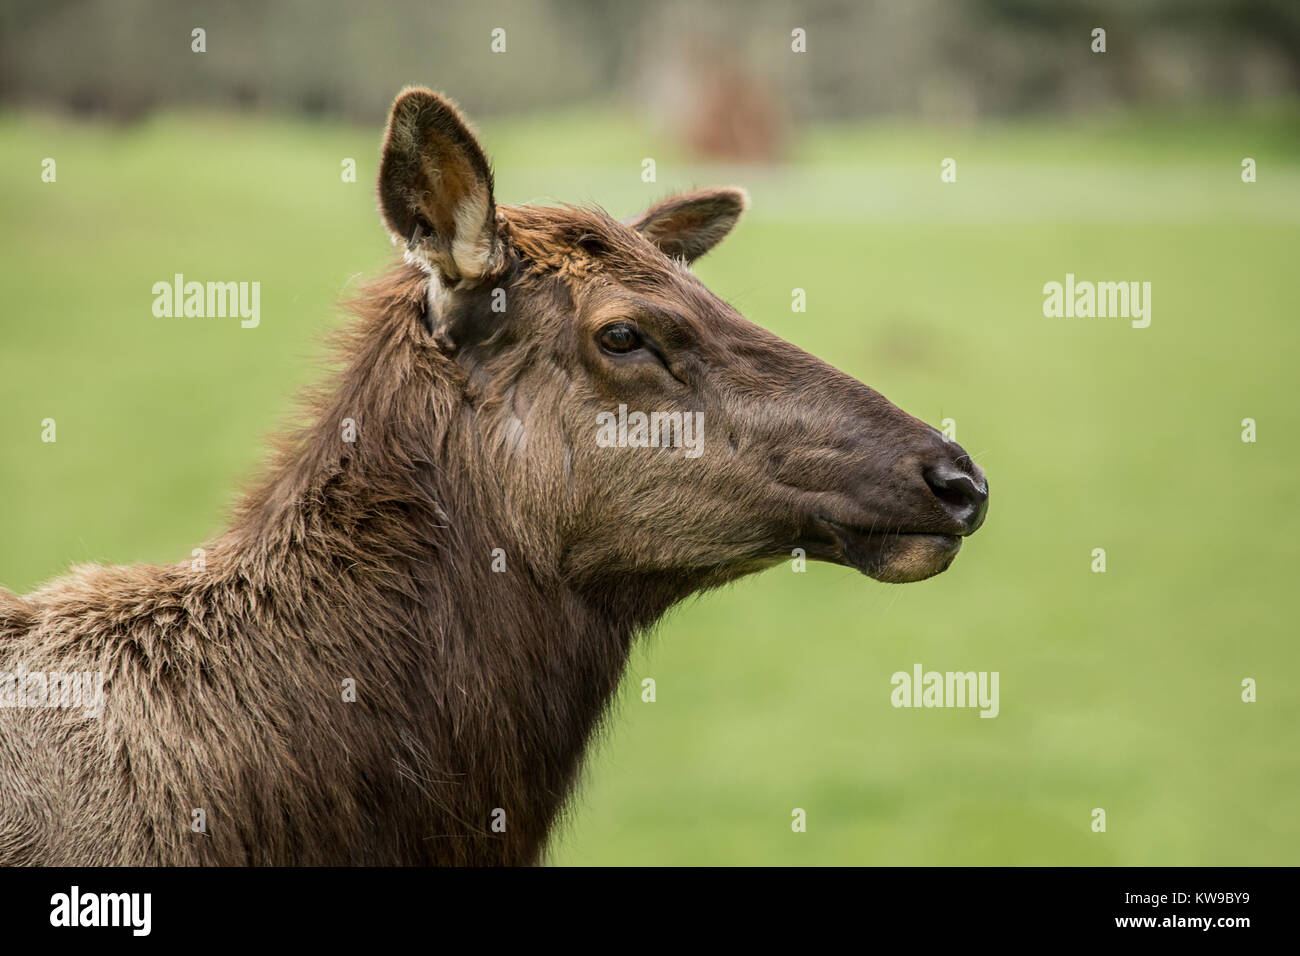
(369, 562)
(477, 689)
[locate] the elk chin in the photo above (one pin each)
(894, 558)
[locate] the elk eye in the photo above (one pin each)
(619, 339)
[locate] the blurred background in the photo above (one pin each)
(1119, 690)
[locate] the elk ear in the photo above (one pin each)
(689, 225)
(435, 188)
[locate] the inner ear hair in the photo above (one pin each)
(689, 225)
(436, 190)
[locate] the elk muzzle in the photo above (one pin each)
(906, 523)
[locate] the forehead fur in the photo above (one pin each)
(578, 242)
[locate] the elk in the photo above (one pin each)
(470, 561)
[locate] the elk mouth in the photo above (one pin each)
(895, 557)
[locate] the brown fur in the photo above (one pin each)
(372, 560)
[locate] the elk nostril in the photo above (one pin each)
(962, 495)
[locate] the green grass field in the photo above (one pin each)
(1119, 690)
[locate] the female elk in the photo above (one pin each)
(473, 566)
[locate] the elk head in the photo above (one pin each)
(624, 419)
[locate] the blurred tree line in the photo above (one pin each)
(701, 63)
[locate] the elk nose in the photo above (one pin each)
(964, 496)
